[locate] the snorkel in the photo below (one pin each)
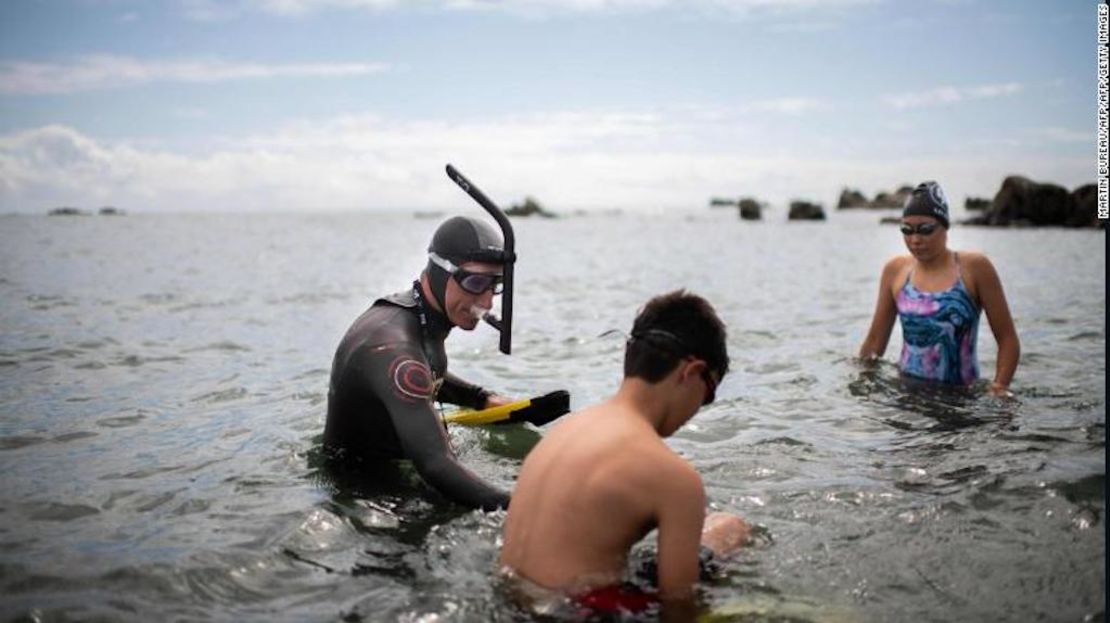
(504, 325)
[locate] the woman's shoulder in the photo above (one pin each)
(897, 264)
(977, 272)
(898, 261)
(974, 261)
(969, 255)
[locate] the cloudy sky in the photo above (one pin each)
(298, 105)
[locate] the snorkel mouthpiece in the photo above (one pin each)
(479, 312)
(493, 321)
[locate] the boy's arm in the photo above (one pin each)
(681, 513)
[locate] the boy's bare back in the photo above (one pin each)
(603, 478)
(597, 483)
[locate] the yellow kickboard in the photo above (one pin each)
(470, 417)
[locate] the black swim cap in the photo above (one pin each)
(928, 200)
(463, 239)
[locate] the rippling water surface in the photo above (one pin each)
(163, 382)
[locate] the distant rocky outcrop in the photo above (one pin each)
(750, 209)
(530, 207)
(896, 199)
(851, 198)
(72, 211)
(806, 211)
(67, 211)
(1085, 213)
(1023, 202)
(976, 204)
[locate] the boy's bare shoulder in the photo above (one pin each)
(664, 468)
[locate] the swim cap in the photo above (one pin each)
(928, 200)
(462, 239)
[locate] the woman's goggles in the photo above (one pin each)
(471, 282)
(923, 229)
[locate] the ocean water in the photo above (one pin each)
(163, 386)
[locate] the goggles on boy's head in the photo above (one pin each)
(471, 282)
(670, 342)
(711, 381)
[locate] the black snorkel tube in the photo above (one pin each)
(504, 325)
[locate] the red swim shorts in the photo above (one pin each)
(616, 598)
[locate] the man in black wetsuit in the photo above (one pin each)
(391, 364)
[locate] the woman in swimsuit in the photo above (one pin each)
(938, 293)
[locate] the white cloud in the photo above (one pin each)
(98, 72)
(994, 90)
(298, 7)
(946, 95)
(569, 160)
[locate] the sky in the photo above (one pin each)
(301, 105)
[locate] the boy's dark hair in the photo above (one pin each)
(671, 327)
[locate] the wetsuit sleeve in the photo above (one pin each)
(459, 392)
(401, 379)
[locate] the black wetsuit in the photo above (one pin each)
(387, 370)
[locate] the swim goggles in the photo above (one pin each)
(924, 229)
(711, 383)
(471, 282)
(671, 342)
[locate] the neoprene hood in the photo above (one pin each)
(462, 239)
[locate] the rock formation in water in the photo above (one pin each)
(750, 209)
(67, 211)
(851, 198)
(1023, 202)
(530, 207)
(976, 204)
(806, 211)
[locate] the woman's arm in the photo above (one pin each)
(882, 323)
(993, 300)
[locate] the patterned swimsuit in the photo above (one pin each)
(939, 332)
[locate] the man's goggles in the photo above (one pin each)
(471, 282)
